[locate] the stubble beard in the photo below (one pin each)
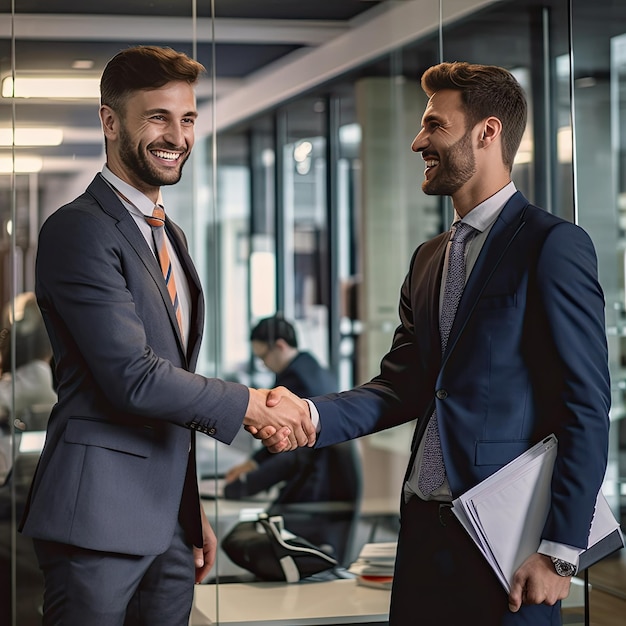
(137, 162)
(456, 166)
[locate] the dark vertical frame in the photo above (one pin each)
(331, 282)
(280, 139)
(544, 128)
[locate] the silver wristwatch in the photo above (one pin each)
(563, 568)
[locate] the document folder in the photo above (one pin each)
(505, 514)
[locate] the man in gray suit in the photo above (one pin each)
(114, 509)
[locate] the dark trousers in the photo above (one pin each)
(441, 578)
(85, 587)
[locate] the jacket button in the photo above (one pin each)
(442, 394)
(211, 431)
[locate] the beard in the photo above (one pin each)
(137, 162)
(456, 166)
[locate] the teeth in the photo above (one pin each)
(431, 163)
(170, 156)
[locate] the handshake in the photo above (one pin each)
(280, 419)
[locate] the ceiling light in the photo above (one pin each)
(302, 151)
(48, 86)
(564, 144)
(523, 156)
(585, 81)
(82, 64)
(31, 137)
(526, 149)
(350, 134)
(20, 165)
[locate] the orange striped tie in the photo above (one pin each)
(157, 221)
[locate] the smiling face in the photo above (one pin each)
(149, 142)
(446, 145)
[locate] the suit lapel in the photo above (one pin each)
(435, 251)
(505, 229)
(434, 290)
(195, 289)
(111, 204)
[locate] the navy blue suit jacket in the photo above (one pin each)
(118, 466)
(526, 356)
(305, 377)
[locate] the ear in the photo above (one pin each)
(281, 343)
(110, 121)
(489, 131)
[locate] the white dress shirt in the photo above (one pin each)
(139, 205)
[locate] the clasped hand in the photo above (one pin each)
(280, 419)
(536, 582)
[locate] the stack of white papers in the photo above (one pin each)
(505, 514)
(211, 488)
(374, 565)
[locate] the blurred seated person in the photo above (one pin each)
(29, 369)
(274, 341)
(304, 475)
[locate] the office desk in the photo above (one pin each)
(280, 604)
(304, 604)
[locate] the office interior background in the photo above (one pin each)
(302, 194)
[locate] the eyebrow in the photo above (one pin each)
(168, 112)
(431, 117)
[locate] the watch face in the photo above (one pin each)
(563, 568)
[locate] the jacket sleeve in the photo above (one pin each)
(576, 381)
(103, 310)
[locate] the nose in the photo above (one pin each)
(175, 135)
(420, 142)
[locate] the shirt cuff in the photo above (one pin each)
(315, 416)
(562, 551)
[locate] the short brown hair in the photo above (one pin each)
(144, 67)
(486, 90)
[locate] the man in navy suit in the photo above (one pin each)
(526, 356)
(114, 508)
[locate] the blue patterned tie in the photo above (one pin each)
(433, 470)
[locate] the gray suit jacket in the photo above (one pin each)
(118, 466)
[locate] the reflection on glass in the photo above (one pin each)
(305, 224)
(260, 230)
(598, 84)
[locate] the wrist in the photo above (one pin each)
(255, 400)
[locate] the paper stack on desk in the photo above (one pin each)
(505, 514)
(374, 565)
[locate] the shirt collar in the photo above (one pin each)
(485, 214)
(137, 201)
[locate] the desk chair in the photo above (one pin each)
(28, 439)
(35, 417)
(18, 549)
(331, 524)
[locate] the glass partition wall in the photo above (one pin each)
(302, 196)
(51, 146)
(597, 71)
